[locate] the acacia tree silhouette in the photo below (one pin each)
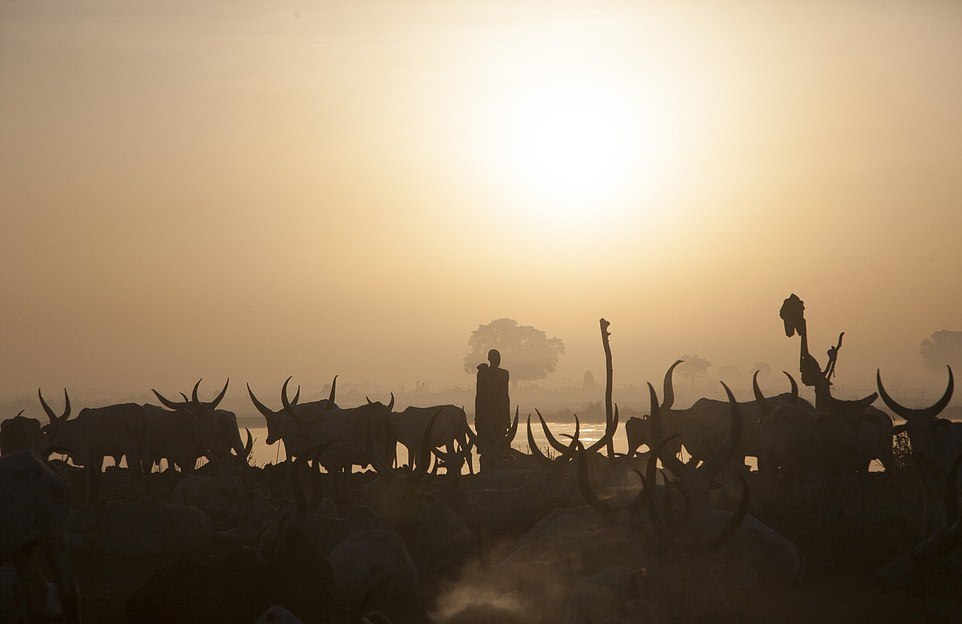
(941, 348)
(526, 351)
(695, 366)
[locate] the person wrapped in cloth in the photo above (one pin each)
(492, 405)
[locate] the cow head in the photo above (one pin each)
(696, 480)
(926, 431)
(278, 423)
(217, 429)
(55, 432)
(764, 407)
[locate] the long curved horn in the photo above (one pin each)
(167, 402)
(50, 413)
(736, 521)
(193, 395)
(263, 409)
(369, 401)
(390, 406)
(535, 451)
(727, 451)
(656, 429)
(609, 433)
(289, 407)
(558, 446)
(659, 445)
(472, 436)
(760, 399)
(572, 447)
(794, 398)
(513, 429)
(427, 443)
(330, 397)
(584, 485)
(220, 397)
(249, 447)
(668, 388)
(66, 407)
(908, 413)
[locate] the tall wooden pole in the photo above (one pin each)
(605, 334)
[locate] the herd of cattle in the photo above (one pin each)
(567, 535)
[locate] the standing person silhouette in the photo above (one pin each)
(492, 406)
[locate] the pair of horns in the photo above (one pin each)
(646, 497)
(714, 463)
(925, 412)
(504, 442)
(265, 411)
(567, 452)
(194, 400)
(390, 406)
(54, 419)
(289, 406)
(763, 404)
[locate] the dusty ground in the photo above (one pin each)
(837, 587)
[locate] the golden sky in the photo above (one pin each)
(261, 189)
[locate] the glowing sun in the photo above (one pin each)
(566, 145)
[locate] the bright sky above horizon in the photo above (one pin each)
(262, 189)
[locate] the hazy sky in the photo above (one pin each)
(261, 189)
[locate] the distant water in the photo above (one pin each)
(264, 453)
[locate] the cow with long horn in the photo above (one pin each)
(565, 452)
(935, 443)
(811, 454)
(703, 426)
(280, 425)
(357, 430)
(117, 431)
(192, 429)
(449, 431)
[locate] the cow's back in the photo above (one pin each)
(411, 424)
(114, 429)
(709, 420)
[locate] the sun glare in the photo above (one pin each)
(568, 135)
(565, 143)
